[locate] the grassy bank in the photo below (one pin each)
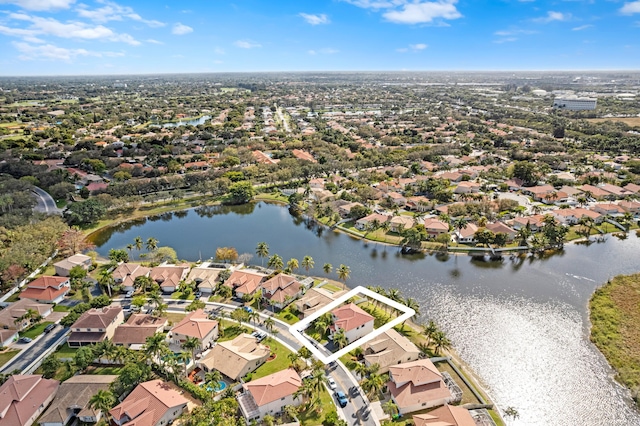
(614, 310)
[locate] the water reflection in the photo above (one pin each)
(521, 323)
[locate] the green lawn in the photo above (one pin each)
(65, 352)
(311, 417)
(14, 297)
(330, 287)
(60, 308)
(180, 296)
(287, 316)
(104, 370)
(36, 330)
(231, 330)
(174, 317)
(6, 356)
(281, 362)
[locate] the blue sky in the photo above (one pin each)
(69, 37)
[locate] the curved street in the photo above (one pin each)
(46, 203)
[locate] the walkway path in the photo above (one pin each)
(46, 203)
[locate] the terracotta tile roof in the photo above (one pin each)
(128, 272)
(500, 227)
(73, 394)
(418, 372)
(137, 328)
(168, 276)
(196, 324)
(350, 316)
(389, 347)
(274, 386)
(97, 318)
(448, 415)
(244, 282)
(19, 308)
(150, 399)
(232, 356)
(46, 294)
(47, 281)
(316, 298)
(303, 155)
(21, 396)
(436, 224)
(281, 287)
(416, 385)
(468, 230)
(87, 336)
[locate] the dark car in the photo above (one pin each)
(342, 398)
(24, 340)
(50, 327)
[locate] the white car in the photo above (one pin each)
(332, 383)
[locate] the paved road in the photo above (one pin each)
(285, 123)
(46, 203)
(33, 350)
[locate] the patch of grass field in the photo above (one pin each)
(629, 121)
(332, 288)
(231, 330)
(281, 361)
(174, 317)
(182, 296)
(61, 308)
(279, 198)
(287, 316)
(310, 417)
(105, 370)
(7, 355)
(65, 351)
(36, 330)
(14, 297)
(467, 395)
(614, 314)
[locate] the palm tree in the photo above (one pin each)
(212, 380)
(307, 263)
(129, 247)
(390, 408)
(137, 242)
(374, 383)
(269, 323)
(155, 298)
(361, 369)
(291, 412)
(343, 272)
(441, 341)
(340, 338)
(105, 279)
(429, 331)
(275, 262)
(292, 264)
(102, 401)
(324, 322)
(191, 344)
(294, 357)
(152, 244)
(262, 250)
(156, 347)
(327, 268)
(160, 309)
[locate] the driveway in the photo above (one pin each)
(523, 200)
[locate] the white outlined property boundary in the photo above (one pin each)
(298, 328)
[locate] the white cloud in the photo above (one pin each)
(40, 4)
(423, 12)
(218, 50)
(56, 53)
(323, 51)
(315, 19)
(246, 44)
(505, 33)
(554, 16)
(376, 4)
(71, 29)
(506, 40)
(581, 27)
(413, 48)
(630, 8)
(114, 12)
(153, 41)
(181, 29)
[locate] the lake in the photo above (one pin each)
(521, 324)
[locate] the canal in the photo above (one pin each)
(521, 324)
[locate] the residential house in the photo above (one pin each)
(538, 193)
(389, 348)
(398, 223)
(317, 183)
(95, 325)
(632, 207)
(47, 289)
(303, 155)
(269, 395)
(556, 197)
(500, 227)
(363, 223)
(236, 358)
(514, 184)
(633, 188)
(244, 282)
(610, 209)
(355, 322)
(345, 209)
(467, 187)
(450, 176)
(419, 204)
(595, 192)
(8, 336)
(206, 279)
(134, 333)
(125, 275)
(535, 222)
(169, 276)
(281, 290)
(315, 299)
(64, 266)
(467, 234)
(615, 191)
(16, 315)
(24, 397)
(435, 227)
(152, 403)
(416, 386)
(72, 400)
(196, 324)
(397, 198)
(447, 415)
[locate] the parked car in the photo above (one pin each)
(342, 398)
(128, 295)
(255, 334)
(127, 309)
(247, 308)
(197, 294)
(332, 383)
(261, 336)
(50, 327)
(25, 340)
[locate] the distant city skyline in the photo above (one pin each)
(76, 37)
